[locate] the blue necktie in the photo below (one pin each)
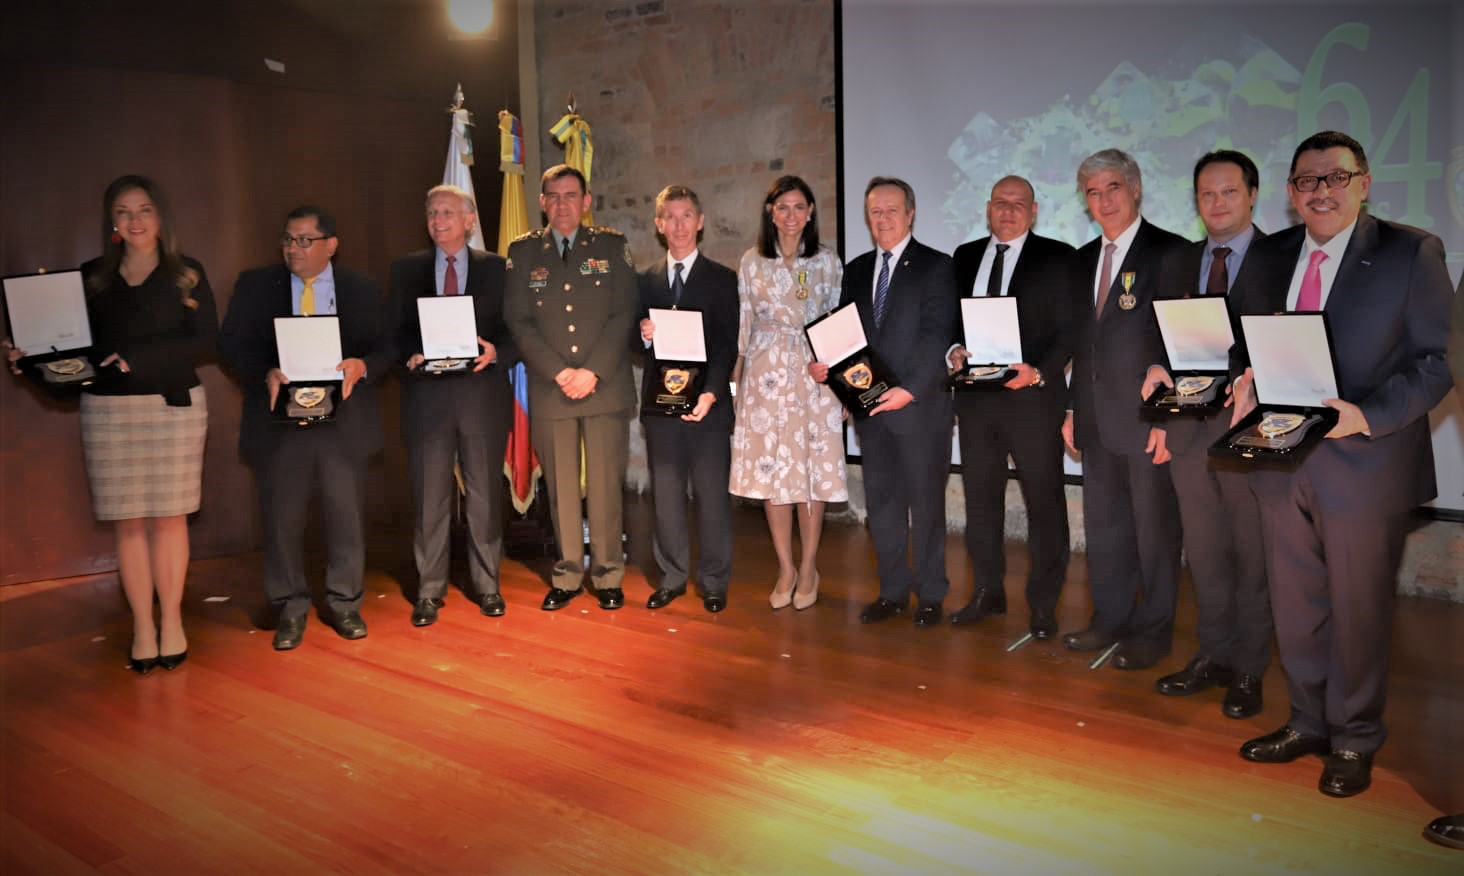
(677, 286)
(882, 289)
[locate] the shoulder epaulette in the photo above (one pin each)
(529, 235)
(605, 229)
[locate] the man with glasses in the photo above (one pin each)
(290, 461)
(1335, 525)
(571, 305)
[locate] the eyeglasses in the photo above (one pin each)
(302, 242)
(1337, 179)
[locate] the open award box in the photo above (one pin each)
(48, 322)
(1197, 340)
(679, 350)
(449, 328)
(310, 350)
(993, 340)
(856, 375)
(1291, 358)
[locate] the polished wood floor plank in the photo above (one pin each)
(674, 741)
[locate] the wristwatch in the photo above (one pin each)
(1037, 380)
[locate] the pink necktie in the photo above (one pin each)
(1311, 283)
(449, 279)
(1106, 280)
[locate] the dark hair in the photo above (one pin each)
(323, 220)
(559, 171)
(677, 193)
(1230, 156)
(1323, 140)
(895, 181)
(174, 268)
(767, 236)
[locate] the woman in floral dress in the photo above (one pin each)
(787, 444)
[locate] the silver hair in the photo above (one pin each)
(469, 205)
(1111, 159)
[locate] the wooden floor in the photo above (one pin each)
(585, 741)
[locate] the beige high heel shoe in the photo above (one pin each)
(783, 600)
(803, 600)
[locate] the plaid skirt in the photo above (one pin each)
(143, 458)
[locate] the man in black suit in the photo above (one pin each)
(288, 460)
(1022, 420)
(454, 416)
(693, 447)
(1222, 524)
(1129, 510)
(1335, 525)
(905, 295)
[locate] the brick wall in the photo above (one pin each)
(721, 96)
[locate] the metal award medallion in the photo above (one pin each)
(802, 292)
(1127, 301)
(858, 375)
(1186, 386)
(65, 367)
(1276, 432)
(309, 396)
(675, 380)
(1276, 425)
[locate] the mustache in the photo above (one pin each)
(1322, 202)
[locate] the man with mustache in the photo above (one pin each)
(1335, 525)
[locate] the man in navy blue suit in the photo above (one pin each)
(1335, 525)
(906, 298)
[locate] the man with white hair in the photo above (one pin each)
(447, 417)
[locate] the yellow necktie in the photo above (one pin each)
(307, 298)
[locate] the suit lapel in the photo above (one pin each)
(1356, 262)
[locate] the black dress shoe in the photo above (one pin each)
(1447, 830)
(1136, 654)
(1044, 624)
(1283, 746)
(172, 661)
(348, 625)
(610, 598)
(289, 633)
(1346, 773)
(142, 666)
(983, 603)
(662, 598)
(1088, 640)
(556, 599)
(1244, 697)
(881, 610)
(424, 613)
(927, 614)
(492, 605)
(1199, 674)
(714, 602)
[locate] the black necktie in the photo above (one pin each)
(1219, 282)
(564, 254)
(677, 287)
(993, 284)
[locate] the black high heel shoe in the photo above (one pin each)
(172, 661)
(144, 665)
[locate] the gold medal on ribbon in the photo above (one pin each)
(1127, 301)
(309, 396)
(675, 380)
(1275, 425)
(1193, 385)
(858, 376)
(65, 366)
(802, 292)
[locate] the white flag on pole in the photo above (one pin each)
(460, 158)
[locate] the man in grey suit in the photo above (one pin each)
(1335, 525)
(905, 293)
(694, 447)
(1222, 525)
(570, 305)
(447, 417)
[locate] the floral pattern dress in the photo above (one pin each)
(788, 440)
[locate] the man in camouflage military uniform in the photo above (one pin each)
(571, 303)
